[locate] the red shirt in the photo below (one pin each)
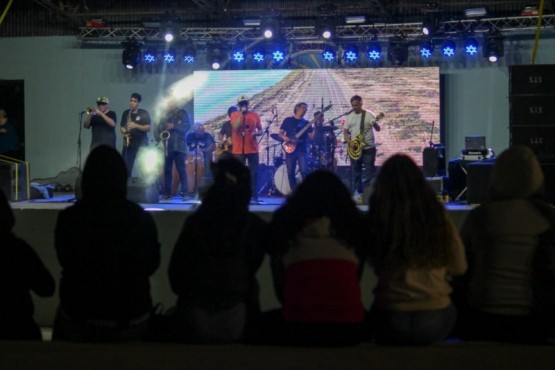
(251, 124)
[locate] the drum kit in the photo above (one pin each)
(320, 155)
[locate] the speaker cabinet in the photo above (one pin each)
(140, 192)
(532, 79)
(433, 161)
(532, 110)
(540, 139)
(477, 181)
(14, 180)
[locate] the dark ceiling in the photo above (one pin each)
(65, 17)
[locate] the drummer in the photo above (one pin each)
(201, 143)
(322, 144)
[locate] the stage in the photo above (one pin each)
(36, 221)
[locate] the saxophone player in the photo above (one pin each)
(134, 126)
(171, 130)
(356, 122)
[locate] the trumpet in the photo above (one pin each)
(165, 136)
(89, 110)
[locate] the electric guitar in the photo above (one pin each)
(223, 147)
(355, 146)
(291, 146)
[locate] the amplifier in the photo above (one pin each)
(14, 180)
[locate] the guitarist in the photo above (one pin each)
(224, 135)
(358, 120)
(289, 133)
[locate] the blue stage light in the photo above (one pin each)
(351, 53)
(426, 49)
(258, 56)
(169, 56)
(374, 51)
(328, 54)
(278, 55)
(471, 46)
(150, 56)
(238, 56)
(448, 48)
(189, 55)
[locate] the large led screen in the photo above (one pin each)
(408, 97)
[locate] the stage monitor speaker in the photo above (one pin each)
(477, 181)
(140, 192)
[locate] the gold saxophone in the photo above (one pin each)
(126, 133)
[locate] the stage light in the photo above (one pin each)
(238, 53)
(269, 27)
(374, 50)
(169, 56)
(448, 48)
(328, 54)
(426, 49)
(470, 46)
(398, 50)
(131, 55)
(325, 27)
(189, 54)
(430, 20)
(278, 54)
(258, 55)
(350, 54)
(216, 55)
(150, 56)
(493, 47)
(215, 62)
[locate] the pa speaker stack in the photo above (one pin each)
(532, 115)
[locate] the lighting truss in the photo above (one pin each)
(345, 32)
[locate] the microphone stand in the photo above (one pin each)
(80, 172)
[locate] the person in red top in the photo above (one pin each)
(246, 127)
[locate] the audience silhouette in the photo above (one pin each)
(509, 291)
(414, 248)
(107, 247)
(317, 239)
(215, 259)
(21, 271)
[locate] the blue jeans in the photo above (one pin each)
(368, 158)
(179, 159)
(412, 327)
(291, 160)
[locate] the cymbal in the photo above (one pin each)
(276, 137)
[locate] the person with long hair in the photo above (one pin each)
(316, 244)
(215, 259)
(414, 248)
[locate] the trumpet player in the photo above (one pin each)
(358, 121)
(102, 121)
(171, 131)
(134, 126)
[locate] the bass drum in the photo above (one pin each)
(282, 182)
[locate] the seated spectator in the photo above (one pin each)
(510, 287)
(414, 248)
(22, 271)
(316, 244)
(213, 266)
(108, 248)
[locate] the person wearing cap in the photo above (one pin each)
(246, 126)
(509, 293)
(175, 123)
(134, 126)
(102, 121)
